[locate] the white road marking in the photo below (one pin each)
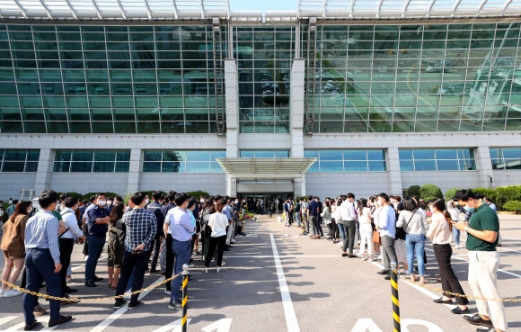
(16, 327)
(109, 320)
(174, 326)
(364, 324)
(6, 319)
(222, 325)
(409, 321)
(289, 311)
(286, 256)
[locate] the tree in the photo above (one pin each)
(430, 191)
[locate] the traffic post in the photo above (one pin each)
(395, 298)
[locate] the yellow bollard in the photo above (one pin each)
(396, 301)
(184, 300)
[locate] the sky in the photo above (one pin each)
(263, 5)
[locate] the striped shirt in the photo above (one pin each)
(41, 231)
(141, 227)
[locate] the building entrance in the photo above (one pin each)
(260, 203)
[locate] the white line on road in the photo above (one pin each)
(174, 325)
(286, 256)
(6, 319)
(109, 320)
(289, 311)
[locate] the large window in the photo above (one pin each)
(264, 153)
(347, 160)
(87, 161)
(107, 79)
(19, 160)
(505, 158)
(193, 161)
(437, 160)
(416, 78)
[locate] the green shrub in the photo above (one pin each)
(413, 190)
(514, 206)
(430, 190)
(198, 193)
(506, 194)
(450, 193)
(489, 192)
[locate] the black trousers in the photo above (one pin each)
(449, 281)
(219, 242)
(331, 228)
(137, 263)
(350, 229)
(85, 230)
(170, 257)
(156, 245)
(66, 247)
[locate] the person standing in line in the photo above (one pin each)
(227, 210)
(326, 215)
(304, 225)
(181, 228)
(285, 208)
(42, 260)
(67, 239)
(218, 223)
(85, 225)
(155, 207)
(440, 233)
(141, 228)
(11, 208)
(493, 207)
(348, 215)
(116, 244)
(385, 224)
(415, 225)
(313, 213)
(166, 259)
(483, 230)
(366, 230)
(13, 246)
(454, 216)
(98, 219)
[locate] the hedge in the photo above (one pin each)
(514, 206)
(507, 194)
(413, 191)
(450, 193)
(430, 191)
(489, 192)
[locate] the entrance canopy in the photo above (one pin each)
(266, 168)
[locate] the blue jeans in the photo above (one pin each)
(96, 244)
(297, 215)
(415, 243)
(39, 264)
(341, 229)
(182, 251)
(456, 233)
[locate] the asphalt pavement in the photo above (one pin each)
(276, 280)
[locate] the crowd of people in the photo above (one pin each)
(395, 230)
(140, 235)
(170, 229)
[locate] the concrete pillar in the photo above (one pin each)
(134, 171)
(296, 107)
(299, 186)
(484, 166)
(394, 172)
(231, 79)
(231, 186)
(43, 176)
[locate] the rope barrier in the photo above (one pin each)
(470, 297)
(395, 298)
(86, 300)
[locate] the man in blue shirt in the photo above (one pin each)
(181, 228)
(141, 228)
(97, 221)
(385, 221)
(42, 259)
(155, 207)
(11, 208)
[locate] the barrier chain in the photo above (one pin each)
(78, 300)
(396, 301)
(470, 297)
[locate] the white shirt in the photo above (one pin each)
(347, 210)
(218, 222)
(69, 218)
(365, 220)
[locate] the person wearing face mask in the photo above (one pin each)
(13, 246)
(42, 260)
(155, 208)
(66, 240)
(482, 238)
(110, 204)
(98, 219)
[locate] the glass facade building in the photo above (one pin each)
(178, 103)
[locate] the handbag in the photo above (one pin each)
(376, 237)
(400, 231)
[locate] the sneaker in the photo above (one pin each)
(218, 269)
(12, 293)
(167, 292)
(134, 305)
(119, 303)
(364, 258)
(2, 292)
(175, 306)
(205, 270)
(223, 263)
(233, 240)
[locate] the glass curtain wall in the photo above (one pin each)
(264, 56)
(107, 79)
(417, 78)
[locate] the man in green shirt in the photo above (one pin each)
(482, 230)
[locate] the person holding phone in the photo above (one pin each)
(141, 228)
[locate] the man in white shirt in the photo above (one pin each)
(386, 225)
(348, 214)
(73, 233)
